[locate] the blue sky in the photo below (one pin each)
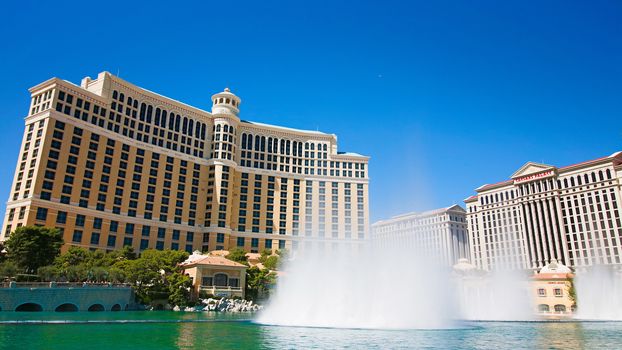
(444, 96)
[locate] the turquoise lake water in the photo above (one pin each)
(173, 330)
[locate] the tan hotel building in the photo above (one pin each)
(112, 164)
(440, 233)
(545, 213)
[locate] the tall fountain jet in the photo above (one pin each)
(599, 293)
(362, 287)
(389, 287)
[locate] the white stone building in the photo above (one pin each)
(571, 214)
(441, 233)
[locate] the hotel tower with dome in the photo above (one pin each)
(111, 164)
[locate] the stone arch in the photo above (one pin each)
(29, 307)
(115, 307)
(221, 279)
(66, 307)
(560, 308)
(97, 307)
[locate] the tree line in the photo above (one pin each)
(33, 252)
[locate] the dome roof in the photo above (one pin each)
(463, 265)
(226, 103)
(195, 256)
(555, 267)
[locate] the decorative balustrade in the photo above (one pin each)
(13, 284)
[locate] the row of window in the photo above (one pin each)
(176, 135)
(121, 187)
(26, 152)
(546, 185)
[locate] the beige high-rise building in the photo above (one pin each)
(544, 213)
(112, 164)
(440, 234)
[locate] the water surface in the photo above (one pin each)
(170, 330)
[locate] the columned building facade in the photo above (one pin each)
(112, 164)
(544, 213)
(439, 233)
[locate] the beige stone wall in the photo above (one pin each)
(99, 162)
(555, 293)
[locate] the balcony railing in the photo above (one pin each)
(553, 312)
(13, 284)
(220, 288)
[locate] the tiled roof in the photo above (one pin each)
(487, 186)
(554, 276)
(213, 260)
(419, 214)
(592, 161)
(285, 128)
(351, 154)
(508, 182)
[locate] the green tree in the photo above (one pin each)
(144, 277)
(264, 254)
(32, 247)
(238, 255)
(116, 275)
(153, 275)
(8, 269)
(77, 273)
(179, 289)
(98, 274)
(101, 258)
(128, 253)
(259, 282)
(72, 257)
(2, 253)
(48, 273)
(148, 272)
(167, 260)
(572, 292)
(283, 254)
(271, 262)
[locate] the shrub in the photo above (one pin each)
(8, 269)
(238, 255)
(48, 273)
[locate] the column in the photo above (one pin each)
(562, 233)
(536, 234)
(552, 243)
(529, 234)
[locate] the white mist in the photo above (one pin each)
(362, 288)
(498, 296)
(599, 293)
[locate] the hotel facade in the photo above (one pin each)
(440, 234)
(544, 213)
(111, 165)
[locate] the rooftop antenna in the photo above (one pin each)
(118, 73)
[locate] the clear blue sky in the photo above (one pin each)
(444, 96)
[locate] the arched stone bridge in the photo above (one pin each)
(65, 297)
